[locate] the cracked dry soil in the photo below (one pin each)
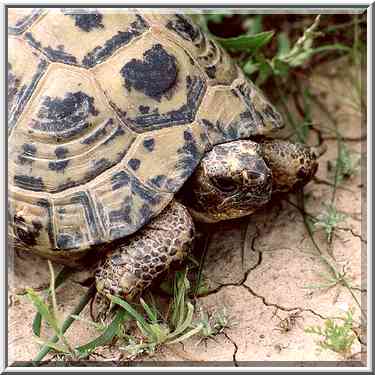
(261, 268)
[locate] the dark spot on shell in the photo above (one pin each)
(302, 161)
(119, 180)
(154, 76)
(211, 71)
(61, 152)
(83, 199)
(269, 111)
(247, 115)
(118, 132)
(54, 54)
(100, 53)
(122, 215)
(183, 27)
(27, 234)
(144, 109)
(134, 164)
(60, 55)
(13, 86)
(101, 165)
(188, 136)
(95, 136)
(149, 144)
(148, 196)
(145, 213)
(67, 184)
(65, 114)
(29, 151)
(87, 20)
(64, 241)
(189, 156)
(24, 22)
(58, 166)
(32, 41)
(158, 180)
(29, 182)
(182, 115)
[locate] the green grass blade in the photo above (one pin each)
(132, 312)
(246, 43)
(152, 315)
(186, 335)
(43, 310)
(332, 47)
(181, 287)
(187, 322)
(67, 323)
(106, 337)
(53, 346)
(37, 324)
(60, 278)
(146, 331)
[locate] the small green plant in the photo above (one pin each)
(287, 57)
(335, 336)
(213, 324)
(156, 331)
(346, 164)
(332, 278)
(328, 220)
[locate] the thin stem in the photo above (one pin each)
(67, 323)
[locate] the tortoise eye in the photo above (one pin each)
(224, 184)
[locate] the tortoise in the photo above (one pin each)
(125, 128)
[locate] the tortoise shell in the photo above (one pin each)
(109, 112)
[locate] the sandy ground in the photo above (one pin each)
(260, 269)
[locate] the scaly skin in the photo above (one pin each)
(133, 265)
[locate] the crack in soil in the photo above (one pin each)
(241, 283)
(354, 234)
(283, 308)
(246, 273)
(235, 349)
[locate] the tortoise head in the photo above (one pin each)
(236, 178)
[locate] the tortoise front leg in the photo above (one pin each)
(142, 257)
